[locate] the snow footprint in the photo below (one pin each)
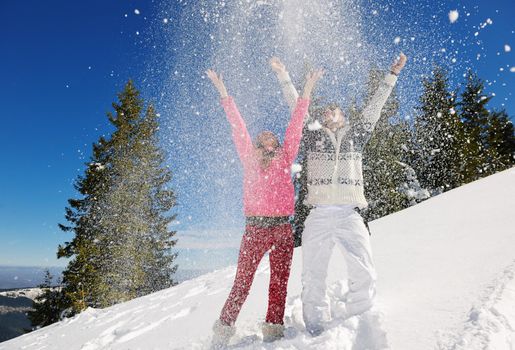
(195, 291)
(173, 306)
(118, 314)
(216, 291)
(163, 295)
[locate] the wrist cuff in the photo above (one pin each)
(284, 76)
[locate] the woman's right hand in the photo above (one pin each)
(277, 66)
(217, 82)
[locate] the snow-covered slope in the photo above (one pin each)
(443, 258)
(446, 281)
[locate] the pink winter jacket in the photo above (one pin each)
(267, 192)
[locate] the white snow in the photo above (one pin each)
(512, 69)
(98, 166)
(453, 16)
(30, 293)
(487, 22)
(490, 323)
(397, 40)
(314, 126)
(296, 168)
(137, 12)
(446, 281)
(507, 48)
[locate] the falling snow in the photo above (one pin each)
(296, 168)
(314, 126)
(238, 39)
(453, 16)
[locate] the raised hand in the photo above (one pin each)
(277, 66)
(311, 80)
(399, 64)
(217, 82)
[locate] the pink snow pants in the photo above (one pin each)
(255, 243)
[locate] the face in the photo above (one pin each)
(333, 118)
(267, 143)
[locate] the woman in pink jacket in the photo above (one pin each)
(268, 197)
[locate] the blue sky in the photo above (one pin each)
(61, 66)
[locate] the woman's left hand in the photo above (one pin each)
(311, 80)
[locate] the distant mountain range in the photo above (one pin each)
(14, 277)
(13, 316)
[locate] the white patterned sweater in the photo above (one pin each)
(334, 159)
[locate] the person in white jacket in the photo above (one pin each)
(335, 192)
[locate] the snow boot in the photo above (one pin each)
(222, 333)
(272, 332)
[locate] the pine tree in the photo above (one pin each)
(47, 307)
(137, 243)
(81, 277)
(155, 201)
(438, 136)
(122, 245)
(475, 117)
(500, 140)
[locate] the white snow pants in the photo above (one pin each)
(324, 227)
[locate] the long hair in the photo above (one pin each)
(265, 157)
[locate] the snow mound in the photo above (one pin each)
(445, 269)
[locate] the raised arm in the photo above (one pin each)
(372, 111)
(294, 130)
(364, 126)
(290, 93)
(240, 135)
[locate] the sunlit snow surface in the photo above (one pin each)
(446, 281)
